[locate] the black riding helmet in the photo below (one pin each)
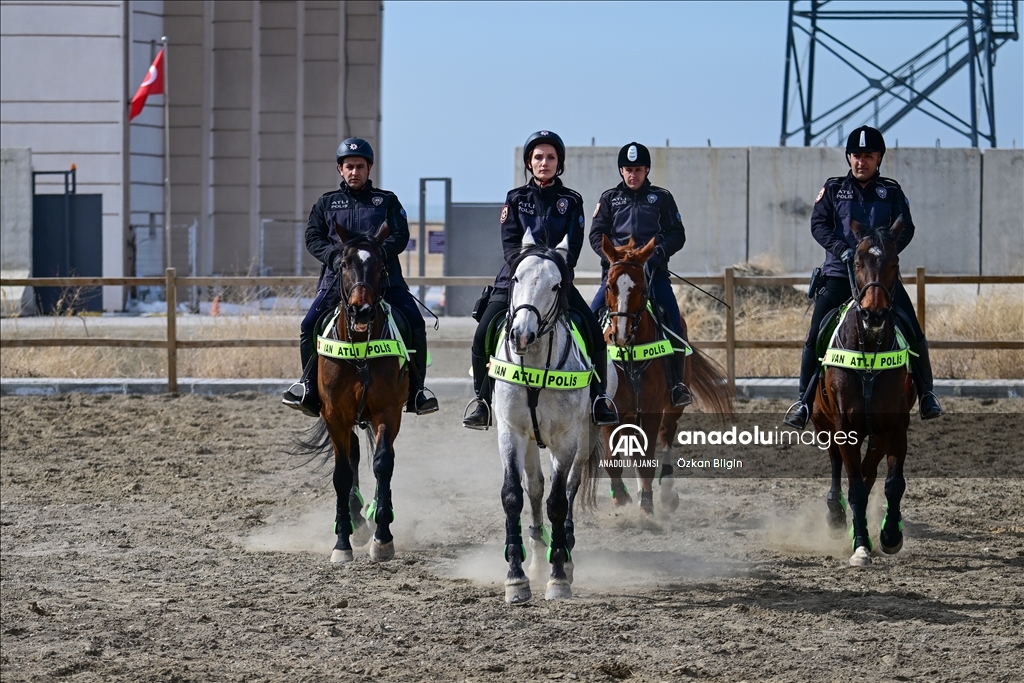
(865, 139)
(355, 147)
(634, 154)
(545, 137)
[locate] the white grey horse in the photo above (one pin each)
(539, 337)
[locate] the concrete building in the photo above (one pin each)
(261, 93)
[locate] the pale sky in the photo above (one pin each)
(464, 83)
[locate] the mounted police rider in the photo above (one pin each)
(358, 207)
(550, 212)
(637, 209)
(872, 200)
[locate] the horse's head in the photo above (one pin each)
(538, 294)
(876, 271)
(626, 291)
(362, 275)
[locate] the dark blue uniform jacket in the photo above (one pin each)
(648, 212)
(549, 213)
(876, 206)
(357, 212)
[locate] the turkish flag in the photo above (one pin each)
(152, 84)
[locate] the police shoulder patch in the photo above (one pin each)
(821, 193)
(504, 213)
(581, 220)
(403, 213)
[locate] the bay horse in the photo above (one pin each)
(542, 398)
(362, 382)
(875, 402)
(642, 395)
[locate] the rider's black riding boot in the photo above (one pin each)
(604, 412)
(922, 367)
(304, 394)
(800, 411)
(480, 416)
(421, 401)
(678, 390)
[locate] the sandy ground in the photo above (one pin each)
(174, 539)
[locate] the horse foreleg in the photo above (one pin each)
(534, 480)
(858, 497)
(834, 500)
(342, 517)
(360, 529)
(558, 552)
(381, 512)
(891, 537)
(513, 448)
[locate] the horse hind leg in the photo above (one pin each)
(534, 480)
(835, 500)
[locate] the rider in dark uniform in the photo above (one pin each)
(873, 201)
(550, 211)
(635, 208)
(359, 207)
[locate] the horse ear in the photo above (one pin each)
(382, 233)
(645, 251)
(528, 240)
(563, 247)
(337, 227)
(608, 249)
(896, 229)
(856, 228)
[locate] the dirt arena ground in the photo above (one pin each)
(173, 539)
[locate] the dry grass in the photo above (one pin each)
(761, 313)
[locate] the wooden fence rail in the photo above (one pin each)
(729, 282)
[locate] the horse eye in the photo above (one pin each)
(556, 288)
(515, 279)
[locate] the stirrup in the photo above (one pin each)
(920, 403)
(465, 415)
(794, 409)
(614, 410)
(430, 404)
(299, 404)
(687, 398)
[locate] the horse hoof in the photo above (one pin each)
(836, 520)
(517, 591)
(861, 557)
(341, 556)
(891, 550)
(558, 589)
(382, 552)
(621, 500)
(361, 534)
(670, 499)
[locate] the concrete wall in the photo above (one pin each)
(63, 67)
(1002, 211)
(743, 203)
(16, 236)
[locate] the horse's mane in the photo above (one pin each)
(559, 261)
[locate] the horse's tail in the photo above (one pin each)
(586, 496)
(709, 384)
(314, 442)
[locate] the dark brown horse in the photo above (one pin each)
(874, 404)
(642, 393)
(361, 384)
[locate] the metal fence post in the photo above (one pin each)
(172, 332)
(730, 330)
(920, 298)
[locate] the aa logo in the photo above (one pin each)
(628, 441)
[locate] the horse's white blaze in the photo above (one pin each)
(364, 255)
(625, 287)
(876, 251)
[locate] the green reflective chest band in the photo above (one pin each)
(641, 351)
(376, 348)
(885, 360)
(540, 379)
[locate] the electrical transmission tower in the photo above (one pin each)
(881, 96)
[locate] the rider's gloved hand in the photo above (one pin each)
(336, 263)
(847, 255)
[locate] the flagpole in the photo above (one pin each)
(167, 162)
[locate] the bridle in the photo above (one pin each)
(546, 322)
(634, 318)
(346, 293)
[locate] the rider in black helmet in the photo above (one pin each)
(637, 209)
(550, 212)
(874, 201)
(359, 207)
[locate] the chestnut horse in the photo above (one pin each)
(362, 384)
(642, 395)
(874, 403)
